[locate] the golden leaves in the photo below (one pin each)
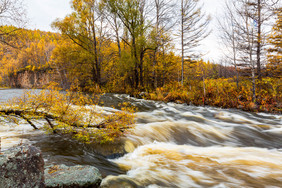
(73, 113)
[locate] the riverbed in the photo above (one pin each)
(172, 145)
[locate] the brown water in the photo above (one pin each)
(175, 145)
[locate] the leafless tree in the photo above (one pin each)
(193, 29)
(228, 36)
(163, 22)
(261, 12)
(246, 38)
(244, 30)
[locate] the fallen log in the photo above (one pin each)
(48, 117)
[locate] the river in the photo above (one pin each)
(174, 145)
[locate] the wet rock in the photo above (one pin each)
(118, 182)
(61, 176)
(22, 166)
(115, 155)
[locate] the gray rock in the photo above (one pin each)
(61, 176)
(23, 167)
(119, 181)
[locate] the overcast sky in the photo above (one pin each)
(42, 13)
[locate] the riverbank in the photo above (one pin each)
(23, 166)
(3, 88)
(247, 107)
(173, 145)
(222, 93)
(225, 97)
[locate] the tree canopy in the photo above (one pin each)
(135, 46)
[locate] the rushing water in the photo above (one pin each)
(174, 145)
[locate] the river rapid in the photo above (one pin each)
(172, 145)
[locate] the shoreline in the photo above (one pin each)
(5, 88)
(252, 110)
(255, 109)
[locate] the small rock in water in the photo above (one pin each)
(115, 155)
(61, 176)
(118, 182)
(22, 166)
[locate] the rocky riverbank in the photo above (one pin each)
(23, 166)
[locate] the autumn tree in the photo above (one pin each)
(86, 28)
(248, 18)
(133, 17)
(275, 51)
(193, 29)
(69, 113)
(31, 52)
(66, 62)
(114, 22)
(12, 12)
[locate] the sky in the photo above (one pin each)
(42, 13)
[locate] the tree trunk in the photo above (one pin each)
(259, 40)
(141, 68)
(253, 85)
(117, 36)
(136, 74)
(96, 60)
(182, 42)
(204, 88)
(154, 70)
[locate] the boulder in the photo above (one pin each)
(22, 166)
(61, 176)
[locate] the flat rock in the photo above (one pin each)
(61, 176)
(22, 166)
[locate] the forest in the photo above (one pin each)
(150, 49)
(122, 93)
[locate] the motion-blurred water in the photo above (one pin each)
(174, 145)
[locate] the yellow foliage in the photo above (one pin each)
(224, 93)
(73, 113)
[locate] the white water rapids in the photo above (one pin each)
(176, 145)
